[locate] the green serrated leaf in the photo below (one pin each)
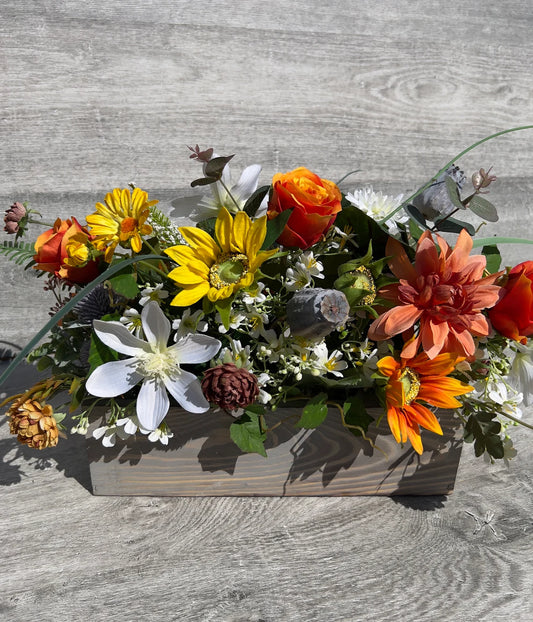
(453, 192)
(247, 434)
(314, 412)
(275, 227)
(483, 208)
(356, 417)
(252, 204)
(493, 256)
(125, 285)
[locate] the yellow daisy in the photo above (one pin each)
(217, 269)
(122, 220)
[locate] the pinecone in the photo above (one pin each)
(33, 424)
(229, 386)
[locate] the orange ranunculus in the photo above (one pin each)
(315, 202)
(512, 316)
(417, 380)
(51, 252)
(444, 291)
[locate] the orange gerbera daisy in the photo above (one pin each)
(414, 380)
(443, 290)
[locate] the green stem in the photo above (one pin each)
(452, 161)
(230, 195)
(519, 421)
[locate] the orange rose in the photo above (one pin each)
(316, 203)
(512, 316)
(51, 253)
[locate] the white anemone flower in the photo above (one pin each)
(521, 374)
(154, 363)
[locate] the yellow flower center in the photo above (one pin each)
(364, 280)
(157, 364)
(230, 269)
(411, 384)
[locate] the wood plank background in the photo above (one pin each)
(97, 94)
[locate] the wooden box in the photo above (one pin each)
(201, 460)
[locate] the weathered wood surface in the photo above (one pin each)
(97, 94)
(201, 460)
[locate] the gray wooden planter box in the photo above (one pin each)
(201, 460)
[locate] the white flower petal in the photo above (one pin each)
(194, 348)
(247, 183)
(112, 379)
(152, 404)
(117, 337)
(156, 326)
(185, 388)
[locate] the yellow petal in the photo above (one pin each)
(223, 228)
(190, 295)
(239, 234)
(184, 276)
(256, 237)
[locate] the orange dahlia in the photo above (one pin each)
(443, 290)
(419, 380)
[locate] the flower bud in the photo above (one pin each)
(13, 217)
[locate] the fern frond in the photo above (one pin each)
(19, 252)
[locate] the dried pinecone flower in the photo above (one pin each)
(13, 217)
(33, 424)
(229, 386)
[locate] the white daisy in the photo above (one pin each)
(378, 205)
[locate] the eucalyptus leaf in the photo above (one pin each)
(215, 167)
(483, 208)
(416, 216)
(452, 225)
(453, 192)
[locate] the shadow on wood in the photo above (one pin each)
(201, 460)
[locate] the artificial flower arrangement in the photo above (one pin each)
(291, 292)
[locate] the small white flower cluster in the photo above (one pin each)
(305, 269)
(125, 427)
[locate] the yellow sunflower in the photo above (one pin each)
(217, 269)
(122, 220)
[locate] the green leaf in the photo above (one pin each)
(252, 204)
(224, 308)
(493, 256)
(453, 192)
(99, 354)
(494, 446)
(366, 229)
(314, 412)
(125, 284)
(275, 227)
(483, 208)
(356, 417)
(416, 217)
(44, 363)
(203, 181)
(247, 434)
(452, 225)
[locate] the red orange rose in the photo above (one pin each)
(51, 253)
(512, 316)
(315, 203)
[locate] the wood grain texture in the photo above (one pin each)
(201, 460)
(97, 94)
